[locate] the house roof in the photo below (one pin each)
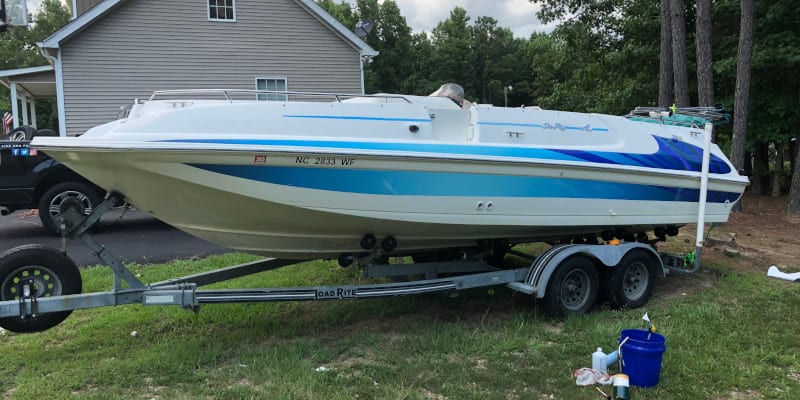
(101, 9)
(37, 81)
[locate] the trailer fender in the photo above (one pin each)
(545, 265)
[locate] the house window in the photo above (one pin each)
(221, 10)
(272, 84)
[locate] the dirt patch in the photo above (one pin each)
(759, 236)
(752, 240)
(763, 233)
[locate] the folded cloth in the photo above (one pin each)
(774, 272)
(588, 376)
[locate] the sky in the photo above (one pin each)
(517, 15)
(423, 15)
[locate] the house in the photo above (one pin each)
(115, 51)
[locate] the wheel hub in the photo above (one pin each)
(41, 281)
(574, 291)
(70, 199)
(634, 282)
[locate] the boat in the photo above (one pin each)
(311, 176)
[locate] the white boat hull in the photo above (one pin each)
(293, 221)
(289, 186)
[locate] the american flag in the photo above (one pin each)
(8, 119)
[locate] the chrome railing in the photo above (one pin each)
(227, 94)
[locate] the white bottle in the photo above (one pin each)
(599, 361)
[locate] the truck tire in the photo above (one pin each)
(79, 194)
(45, 132)
(24, 132)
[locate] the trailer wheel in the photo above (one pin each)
(630, 283)
(51, 273)
(75, 194)
(573, 288)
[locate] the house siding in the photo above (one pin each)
(82, 6)
(148, 45)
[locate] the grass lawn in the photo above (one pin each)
(730, 335)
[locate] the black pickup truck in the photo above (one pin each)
(29, 179)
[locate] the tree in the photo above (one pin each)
(666, 92)
(452, 59)
(495, 52)
(610, 61)
(342, 11)
(793, 207)
(392, 38)
(679, 63)
(744, 62)
(705, 71)
(420, 80)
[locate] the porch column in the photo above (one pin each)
(33, 112)
(24, 100)
(14, 106)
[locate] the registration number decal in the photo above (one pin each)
(324, 161)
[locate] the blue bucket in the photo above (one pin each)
(642, 357)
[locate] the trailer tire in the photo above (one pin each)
(52, 273)
(52, 200)
(573, 288)
(630, 283)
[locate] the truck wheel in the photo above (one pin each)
(46, 271)
(46, 132)
(24, 132)
(630, 283)
(76, 194)
(573, 288)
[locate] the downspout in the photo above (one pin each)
(361, 60)
(56, 62)
(364, 59)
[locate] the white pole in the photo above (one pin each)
(14, 107)
(701, 213)
(33, 112)
(24, 101)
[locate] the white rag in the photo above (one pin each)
(774, 272)
(588, 376)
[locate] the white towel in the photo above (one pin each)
(774, 272)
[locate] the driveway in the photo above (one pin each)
(136, 237)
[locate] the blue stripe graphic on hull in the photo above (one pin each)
(451, 184)
(356, 118)
(671, 154)
(586, 128)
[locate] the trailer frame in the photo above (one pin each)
(580, 286)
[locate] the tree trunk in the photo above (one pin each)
(777, 175)
(794, 191)
(742, 95)
(665, 88)
(794, 147)
(679, 65)
(759, 176)
(705, 73)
